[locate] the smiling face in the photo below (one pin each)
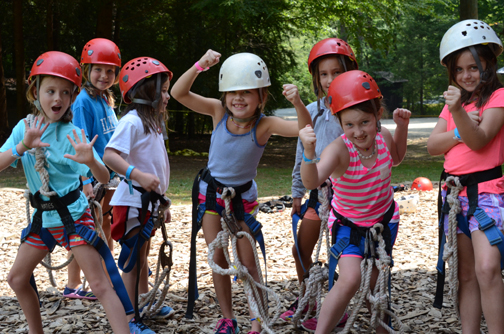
(467, 74)
(359, 127)
(243, 103)
(165, 95)
(55, 97)
(102, 76)
(328, 69)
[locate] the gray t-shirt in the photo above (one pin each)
(327, 128)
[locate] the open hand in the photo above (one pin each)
(83, 149)
(209, 59)
(401, 116)
(291, 93)
(34, 133)
(452, 99)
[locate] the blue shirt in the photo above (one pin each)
(96, 117)
(63, 173)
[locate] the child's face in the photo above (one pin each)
(102, 76)
(359, 127)
(55, 97)
(329, 68)
(243, 103)
(467, 74)
(165, 95)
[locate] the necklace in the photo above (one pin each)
(367, 156)
(241, 126)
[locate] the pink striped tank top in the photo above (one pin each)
(363, 194)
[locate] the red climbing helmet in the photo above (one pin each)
(331, 46)
(58, 64)
(422, 184)
(351, 88)
(101, 51)
(137, 69)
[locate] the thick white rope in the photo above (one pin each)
(450, 253)
(312, 288)
(257, 299)
(152, 302)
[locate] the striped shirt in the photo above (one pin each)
(363, 194)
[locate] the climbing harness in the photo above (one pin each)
(258, 300)
(60, 204)
(376, 245)
(448, 244)
(313, 282)
(213, 188)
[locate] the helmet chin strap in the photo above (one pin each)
(157, 98)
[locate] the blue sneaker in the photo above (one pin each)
(227, 326)
(139, 328)
(163, 313)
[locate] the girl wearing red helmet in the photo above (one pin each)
(327, 59)
(137, 151)
(94, 113)
(359, 164)
(470, 134)
(53, 166)
(241, 132)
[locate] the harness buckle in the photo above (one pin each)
(486, 225)
(231, 223)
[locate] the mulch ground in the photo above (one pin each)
(413, 277)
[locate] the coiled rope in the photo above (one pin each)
(256, 292)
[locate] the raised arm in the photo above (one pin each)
(291, 93)
(181, 89)
(398, 143)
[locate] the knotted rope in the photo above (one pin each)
(450, 253)
(378, 298)
(152, 301)
(312, 287)
(257, 299)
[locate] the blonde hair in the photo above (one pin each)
(66, 118)
(92, 91)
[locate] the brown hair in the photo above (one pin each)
(92, 91)
(263, 92)
(486, 88)
(152, 119)
(317, 87)
(366, 107)
(67, 116)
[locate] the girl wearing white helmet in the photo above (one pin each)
(470, 134)
(240, 134)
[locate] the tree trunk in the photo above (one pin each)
(49, 25)
(468, 9)
(4, 122)
(19, 58)
(104, 20)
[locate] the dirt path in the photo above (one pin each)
(413, 279)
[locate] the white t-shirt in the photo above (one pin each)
(147, 152)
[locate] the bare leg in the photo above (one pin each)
(222, 283)
(19, 276)
(74, 273)
(308, 236)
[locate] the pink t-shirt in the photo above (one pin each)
(460, 159)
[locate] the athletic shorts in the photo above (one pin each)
(250, 208)
(86, 219)
(492, 204)
(354, 251)
(125, 219)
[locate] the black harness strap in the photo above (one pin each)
(471, 182)
(358, 232)
(60, 204)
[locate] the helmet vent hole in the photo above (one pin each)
(475, 28)
(339, 44)
(468, 24)
(127, 67)
(144, 62)
(464, 33)
(132, 68)
(258, 74)
(138, 64)
(366, 85)
(259, 64)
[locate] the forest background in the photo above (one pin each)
(396, 39)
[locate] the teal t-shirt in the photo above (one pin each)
(63, 173)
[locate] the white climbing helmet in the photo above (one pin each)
(466, 33)
(243, 71)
